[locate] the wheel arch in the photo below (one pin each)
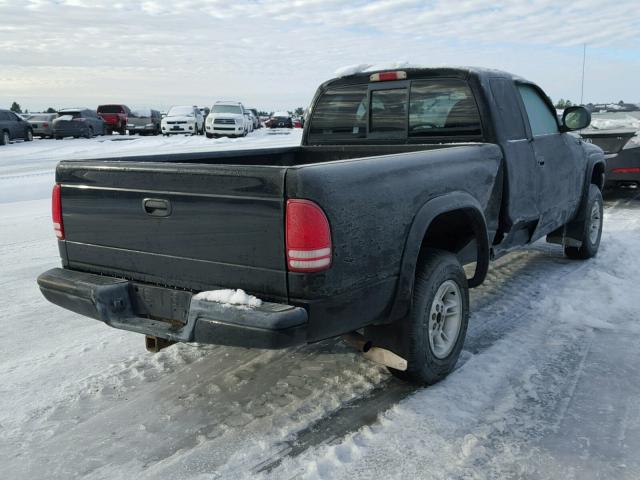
(597, 175)
(449, 222)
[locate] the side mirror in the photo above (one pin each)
(575, 118)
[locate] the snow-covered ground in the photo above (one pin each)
(548, 385)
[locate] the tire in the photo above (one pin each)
(210, 135)
(592, 229)
(89, 133)
(4, 138)
(29, 136)
(440, 305)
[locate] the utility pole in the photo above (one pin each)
(584, 58)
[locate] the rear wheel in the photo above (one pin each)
(4, 138)
(438, 319)
(29, 136)
(592, 228)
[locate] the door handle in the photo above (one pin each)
(156, 207)
(540, 161)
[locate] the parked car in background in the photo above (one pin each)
(116, 118)
(183, 119)
(249, 119)
(226, 118)
(144, 122)
(256, 118)
(281, 120)
(13, 127)
(618, 134)
(78, 122)
(297, 122)
(42, 124)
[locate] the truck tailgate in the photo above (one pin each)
(189, 226)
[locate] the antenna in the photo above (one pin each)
(584, 58)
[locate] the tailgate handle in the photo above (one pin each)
(156, 207)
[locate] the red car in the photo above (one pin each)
(115, 117)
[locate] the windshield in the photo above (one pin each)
(69, 113)
(180, 111)
(110, 109)
(426, 108)
(227, 109)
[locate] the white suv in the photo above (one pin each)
(226, 118)
(183, 119)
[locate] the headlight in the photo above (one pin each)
(239, 121)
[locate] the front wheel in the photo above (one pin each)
(438, 319)
(4, 138)
(29, 136)
(592, 228)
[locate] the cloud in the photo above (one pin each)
(274, 53)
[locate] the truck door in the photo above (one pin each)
(520, 210)
(557, 166)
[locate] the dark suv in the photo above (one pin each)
(115, 117)
(13, 127)
(77, 122)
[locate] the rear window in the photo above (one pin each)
(389, 111)
(110, 109)
(442, 108)
(341, 114)
(431, 108)
(70, 113)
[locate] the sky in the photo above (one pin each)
(272, 55)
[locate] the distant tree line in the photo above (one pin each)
(15, 108)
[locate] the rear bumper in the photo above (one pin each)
(117, 302)
(70, 131)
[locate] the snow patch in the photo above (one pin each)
(229, 297)
(351, 69)
(374, 67)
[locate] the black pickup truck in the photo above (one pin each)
(403, 177)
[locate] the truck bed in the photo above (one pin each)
(224, 227)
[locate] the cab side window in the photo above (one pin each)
(541, 119)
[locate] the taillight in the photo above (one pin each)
(45, 125)
(387, 76)
(56, 212)
(627, 170)
(308, 237)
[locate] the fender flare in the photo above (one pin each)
(447, 203)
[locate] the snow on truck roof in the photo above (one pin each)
(371, 68)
